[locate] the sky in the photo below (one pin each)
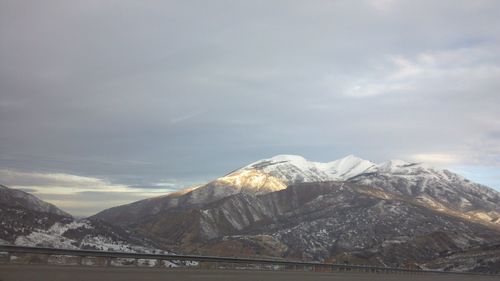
(107, 102)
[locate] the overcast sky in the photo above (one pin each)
(107, 102)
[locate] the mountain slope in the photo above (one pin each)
(318, 221)
(440, 189)
(324, 220)
(18, 198)
(29, 221)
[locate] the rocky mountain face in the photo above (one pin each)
(29, 221)
(394, 213)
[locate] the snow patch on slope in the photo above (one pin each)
(52, 237)
(253, 181)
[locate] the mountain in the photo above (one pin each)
(23, 213)
(261, 177)
(439, 189)
(352, 209)
(17, 198)
(29, 221)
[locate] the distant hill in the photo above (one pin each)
(17, 198)
(29, 221)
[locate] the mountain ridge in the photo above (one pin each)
(390, 214)
(278, 172)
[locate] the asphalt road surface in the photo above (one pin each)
(77, 273)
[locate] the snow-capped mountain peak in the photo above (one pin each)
(295, 160)
(396, 163)
(400, 167)
(349, 166)
(294, 168)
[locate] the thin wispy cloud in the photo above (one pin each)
(185, 117)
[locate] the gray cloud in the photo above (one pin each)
(83, 196)
(136, 92)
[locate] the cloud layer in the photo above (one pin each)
(139, 92)
(81, 196)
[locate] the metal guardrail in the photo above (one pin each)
(314, 266)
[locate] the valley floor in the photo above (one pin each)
(59, 273)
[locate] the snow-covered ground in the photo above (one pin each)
(55, 237)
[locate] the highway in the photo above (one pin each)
(11, 272)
